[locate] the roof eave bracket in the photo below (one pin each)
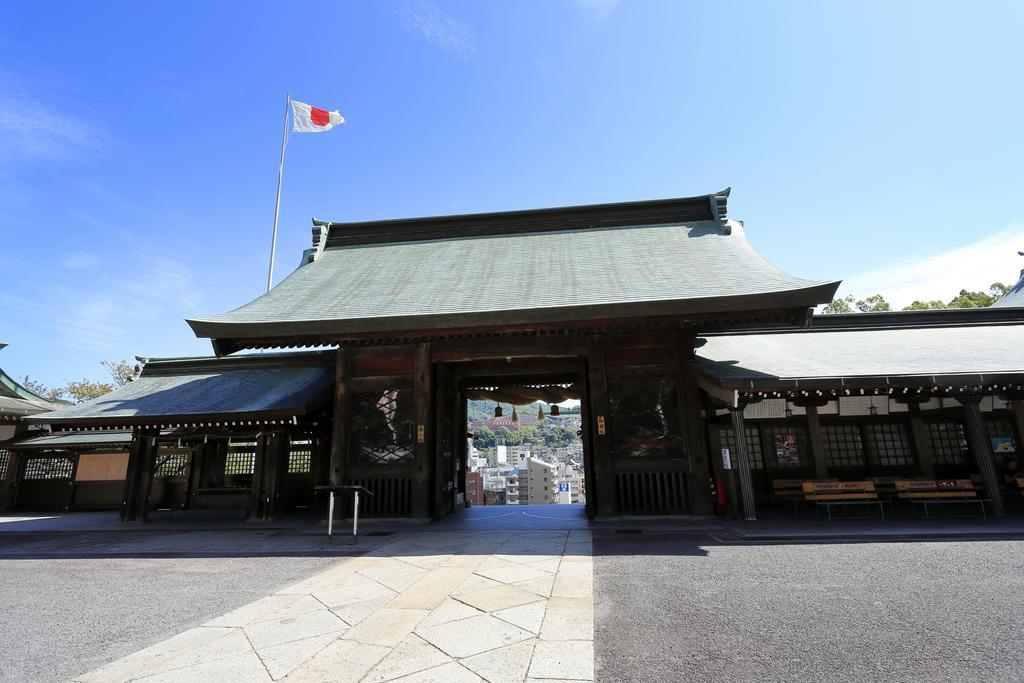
(720, 209)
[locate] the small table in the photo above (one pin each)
(355, 490)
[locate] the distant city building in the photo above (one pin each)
(494, 498)
(475, 488)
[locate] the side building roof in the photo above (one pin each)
(254, 389)
(501, 271)
(17, 401)
(839, 357)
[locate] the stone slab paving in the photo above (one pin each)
(495, 606)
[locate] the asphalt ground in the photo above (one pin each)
(64, 617)
(673, 607)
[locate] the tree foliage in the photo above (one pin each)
(121, 372)
(876, 302)
(844, 305)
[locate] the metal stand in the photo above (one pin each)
(331, 490)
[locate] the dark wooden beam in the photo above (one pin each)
(599, 426)
(743, 463)
(728, 316)
(693, 431)
(8, 485)
(275, 474)
(817, 442)
(919, 437)
(146, 467)
(441, 423)
(258, 492)
(341, 428)
(980, 447)
(646, 212)
(129, 501)
(423, 397)
(1017, 408)
(586, 436)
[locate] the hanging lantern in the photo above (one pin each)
(554, 410)
(497, 410)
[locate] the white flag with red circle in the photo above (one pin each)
(309, 119)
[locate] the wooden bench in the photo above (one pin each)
(828, 494)
(792, 490)
(941, 492)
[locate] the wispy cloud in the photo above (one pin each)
(149, 291)
(598, 9)
(33, 129)
(972, 266)
(79, 260)
(439, 28)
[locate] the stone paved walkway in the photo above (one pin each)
(432, 606)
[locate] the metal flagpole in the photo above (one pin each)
(277, 203)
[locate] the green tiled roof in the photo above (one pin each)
(186, 390)
(392, 277)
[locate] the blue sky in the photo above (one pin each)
(875, 142)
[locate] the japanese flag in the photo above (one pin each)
(309, 119)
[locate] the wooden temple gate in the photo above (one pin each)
(610, 298)
(399, 423)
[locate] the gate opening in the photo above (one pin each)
(525, 446)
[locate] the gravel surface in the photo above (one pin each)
(672, 608)
(61, 618)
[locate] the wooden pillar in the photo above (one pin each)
(442, 474)
(600, 421)
(980, 447)
(693, 429)
(318, 467)
(1017, 407)
(275, 474)
(341, 427)
(919, 436)
(131, 477)
(587, 439)
(146, 466)
(258, 492)
(739, 432)
(816, 441)
(9, 484)
(424, 484)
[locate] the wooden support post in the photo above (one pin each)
(318, 466)
(341, 428)
(131, 478)
(1017, 407)
(739, 432)
(586, 437)
(9, 484)
(817, 443)
(425, 481)
(599, 423)
(147, 462)
(275, 474)
(919, 436)
(981, 449)
(258, 492)
(693, 429)
(442, 474)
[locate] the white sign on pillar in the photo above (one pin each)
(726, 459)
